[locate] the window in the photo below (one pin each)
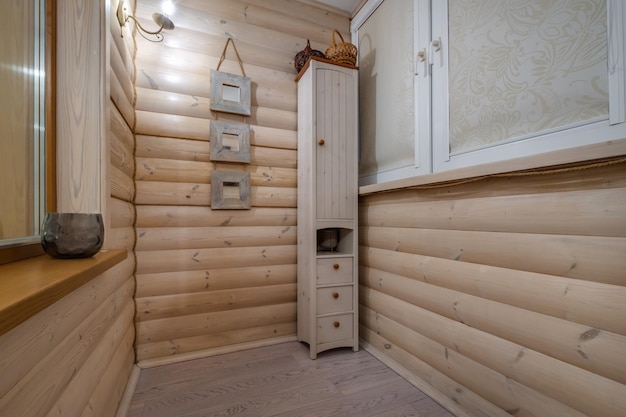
(25, 61)
(490, 81)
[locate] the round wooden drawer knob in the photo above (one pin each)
(336, 266)
(336, 324)
(321, 142)
(335, 295)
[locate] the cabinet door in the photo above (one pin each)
(335, 144)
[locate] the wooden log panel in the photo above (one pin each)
(122, 213)
(217, 278)
(34, 390)
(24, 346)
(581, 390)
(120, 102)
(593, 304)
(171, 170)
(432, 382)
(122, 238)
(76, 396)
(589, 258)
(600, 352)
(122, 143)
(183, 282)
(155, 350)
(187, 216)
(160, 238)
(269, 88)
(164, 102)
(215, 322)
(198, 259)
(152, 308)
(589, 213)
(122, 74)
(122, 186)
(180, 194)
(112, 386)
(509, 395)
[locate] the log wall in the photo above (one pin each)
(217, 279)
(504, 296)
(75, 357)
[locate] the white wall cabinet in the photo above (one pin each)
(327, 206)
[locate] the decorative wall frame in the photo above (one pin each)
(229, 141)
(230, 93)
(230, 190)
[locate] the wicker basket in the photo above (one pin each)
(341, 52)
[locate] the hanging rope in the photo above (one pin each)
(230, 40)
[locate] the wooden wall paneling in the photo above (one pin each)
(114, 380)
(172, 170)
(122, 186)
(172, 193)
(24, 346)
(581, 390)
(473, 377)
(173, 148)
(162, 238)
(589, 348)
(122, 143)
(607, 177)
(120, 101)
(220, 321)
(322, 17)
(123, 70)
(184, 282)
(590, 303)
(172, 125)
(225, 257)
(231, 16)
(122, 213)
(589, 258)
(205, 344)
(445, 390)
(270, 88)
(78, 392)
(167, 306)
(185, 216)
(199, 150)
(589, 213)
(157, 101)
(122, 238)
(33, 391)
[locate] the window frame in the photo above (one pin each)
(432, 105)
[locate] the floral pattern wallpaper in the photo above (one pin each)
(519, 67)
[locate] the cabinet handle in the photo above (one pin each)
(335, 295)
(321, 142)
(336, 324)
(336, 266)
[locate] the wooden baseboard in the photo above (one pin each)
(127, 398)
(151, 363)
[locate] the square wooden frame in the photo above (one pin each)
(222, 153)
(221, 178)
(218, 103)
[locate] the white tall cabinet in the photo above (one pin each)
(327, 206)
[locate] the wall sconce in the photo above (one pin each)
(164, 22)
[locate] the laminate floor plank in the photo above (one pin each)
(280, 381)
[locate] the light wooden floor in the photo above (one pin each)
(280, 380)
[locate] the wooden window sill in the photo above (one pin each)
(30, 285)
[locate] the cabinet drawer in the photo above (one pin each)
(334, 271)
(334, 328)
(334, 299)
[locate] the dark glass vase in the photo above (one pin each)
(72, 235)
